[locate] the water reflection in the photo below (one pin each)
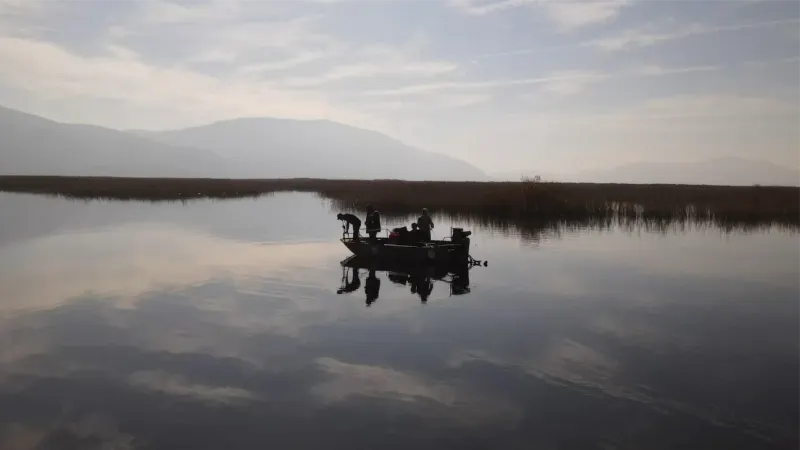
(419, 278)
(533, 231)
(313, 218)
(162, 329)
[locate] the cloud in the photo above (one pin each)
(20, 8)
(15, 17)
(572, 13)
(426, 103)
(693, 119)
(792, 34)
(479, 7)
(247, 53)
(373, 70)
(658, 70)
(164, 12)
(99, 429)
(565, 82)
(258, 48)
(566, 14)
(572, 82)
(574, 76)
(173, 384)
(53, 72)
(458, 401)
(299, 59)
(405, 59)
(648, 35)
(710, 106)
(687, 112)
(358, 379)
(269, 43)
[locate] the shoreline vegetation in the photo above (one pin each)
(525, 200)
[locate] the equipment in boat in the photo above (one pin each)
(402, 245)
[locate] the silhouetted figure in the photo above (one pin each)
(414, 235)
(372, 287)
(350, 286)
(424, 290)
(425, 224)
(372, 223)
(351, 219)
(421, 285)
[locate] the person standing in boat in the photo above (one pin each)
(372, 222)
(425, 224)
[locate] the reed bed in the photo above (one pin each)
(523, 200)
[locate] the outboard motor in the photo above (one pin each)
(459, 236)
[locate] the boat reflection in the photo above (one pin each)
(419, 278)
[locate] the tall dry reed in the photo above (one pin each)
(529, 199)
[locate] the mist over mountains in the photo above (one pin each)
(267, 148)
(239, 148)
(728, 171)
(32, 145)
(285, 148)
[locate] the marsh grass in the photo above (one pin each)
(528, 200)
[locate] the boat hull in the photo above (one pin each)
(431, 252)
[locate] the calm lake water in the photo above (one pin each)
(217, 325)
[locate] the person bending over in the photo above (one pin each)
(351, 219)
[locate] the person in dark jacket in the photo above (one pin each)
(351, 219)
(425, 224)
(372, 222)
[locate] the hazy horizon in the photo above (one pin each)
(506, 85)
(606, 173)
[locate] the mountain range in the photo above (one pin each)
(239, 148)
(285, 148)
(729, 171)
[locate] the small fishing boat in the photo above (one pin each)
(396, 246)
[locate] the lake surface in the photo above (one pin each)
(217, 325)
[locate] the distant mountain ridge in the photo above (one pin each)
(238, 148)
(32, 145)
(730, 171)
(318, 149)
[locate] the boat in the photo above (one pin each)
(398, 247)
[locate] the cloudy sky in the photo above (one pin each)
(542, 85)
